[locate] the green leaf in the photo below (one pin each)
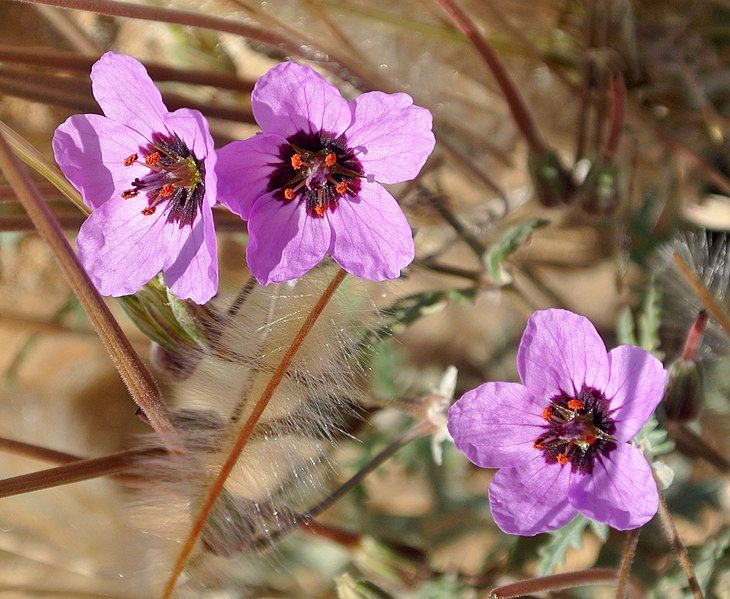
(349, 588)
(650, 320)
(512, 239)
(653, 440)
(552, 554)
(625, 328)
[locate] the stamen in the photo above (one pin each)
(562, 459)
(330, 159)
(152, 159)
(538, 445)
(129, 194)
(547, 413)
(289, 193)
(590, 439)
(341, 187)
(296, 162)
(166, 190)
(149, 211)
(576, 404)
(130, 160)
(320, 209)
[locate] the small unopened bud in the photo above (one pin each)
(599, 193)
(684, 395)
(553, 183)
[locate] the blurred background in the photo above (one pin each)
(590, 241)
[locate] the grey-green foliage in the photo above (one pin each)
(552, 554)
(512, 239)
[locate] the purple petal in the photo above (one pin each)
(192, 127)
(127, 95)
(371, 237)
(620, 491)
(532, 498)
(284, 241)
(391, 137)
(560, 352)
(243, 171)
(193, 273)
(122, 249)
(635, 388)
(91, 149)
(291, 98)
(496, 424)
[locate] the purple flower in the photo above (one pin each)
(310, 183)
(561, 439)
(149, 177)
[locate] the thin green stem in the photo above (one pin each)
(139, 381)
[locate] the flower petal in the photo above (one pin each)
(391, 137)
(620, 491)
(243, 171)
(121, 248)
(371, 237)
(560, 352)
(291, 98)
(532, 498)
(192, 127)
(91, 149)
(127, 95)
(284, 241)
(193, 274)
(635, 388)
(496, 424)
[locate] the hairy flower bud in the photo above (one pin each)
(553, 183)
(684, 395)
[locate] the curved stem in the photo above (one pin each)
(700, 290)
(247, 429)
(521, 115)
(618, 114)
(556, 582)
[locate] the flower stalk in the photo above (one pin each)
(139, 381)
(558, 582)
(247, 429)
(627, 560)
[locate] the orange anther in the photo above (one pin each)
(148, 211)
(330, 159)
(289, 193)
(590, 439)
(166, 190)
(547, 414)
(575, 404)
(130, 160)
(129, 194)
(152, 159)
(538, 445)
(562, 459)
(296, 162)
(320, 209)
(341, 187)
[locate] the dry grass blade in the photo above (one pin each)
(247, 429)
(699, 288)
(139, 381)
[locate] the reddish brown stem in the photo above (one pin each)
(700, 290)
(521, 115)
(618, 114)
(139, 381)
(339, 65)
(73, 472)
(712, 174)
(627, 560)
(665, 517)
(557, 582)
(247, 429)
(69, 61)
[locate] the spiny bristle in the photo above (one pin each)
(284, 466)
(709, 258)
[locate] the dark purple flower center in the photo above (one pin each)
(176, 178)
(577, 431)
(317, 169)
